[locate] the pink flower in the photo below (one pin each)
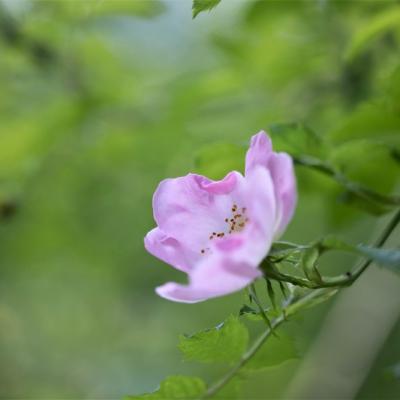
(218, 232)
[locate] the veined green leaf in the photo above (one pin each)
(175, 387)
(203, 5)
(224, 343)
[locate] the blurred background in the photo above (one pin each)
(101, 99)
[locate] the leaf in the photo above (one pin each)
(275, 351)
(203, 5)
(367, 186)
(389, 258)
(373, 28)
(384, 257)
(175, 387)
(296, 138)
(224, 343)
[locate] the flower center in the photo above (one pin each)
(236, 222)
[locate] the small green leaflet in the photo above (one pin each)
(224, 343)
(203, 5)
(389, 258)
(275, 351)
(175, 387)
(385, 257)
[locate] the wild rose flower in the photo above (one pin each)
(218, 232)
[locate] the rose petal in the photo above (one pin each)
(169, 250)
(259, 151)
(284, 179)
(217, 277)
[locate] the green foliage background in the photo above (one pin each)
(100, 100)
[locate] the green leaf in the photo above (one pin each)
(296, 138)
(203, 5)
(275, 351)
(367, 186)
(175, 387)
(389, 258)
(224, 343)
(373, 28)
(385, 257)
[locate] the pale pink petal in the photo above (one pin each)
(284, 179)
(224, 186)
(169, 250)
(259, 151)
(280, 166)
(217, 277)
(262, 201)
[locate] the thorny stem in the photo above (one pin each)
(295, 305)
